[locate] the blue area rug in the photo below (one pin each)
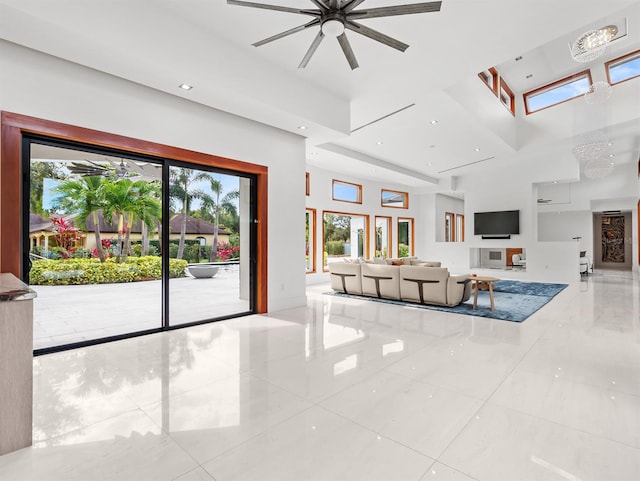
(514, 301)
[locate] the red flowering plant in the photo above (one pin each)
(226, 251)
(108, 245)
(66, 236)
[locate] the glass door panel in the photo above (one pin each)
(209, 245)
(310, 240)
(344, 236)
(383, 236)
(93, 244)
(405, 236)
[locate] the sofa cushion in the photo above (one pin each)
(379, 260)
(424, 284)
(418, 262)
(346, 277)
(381, 281)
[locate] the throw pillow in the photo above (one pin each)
(397, 263)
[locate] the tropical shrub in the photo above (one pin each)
(403, 250)
(334, 247)
(92, 271)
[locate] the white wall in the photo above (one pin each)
(445, 203)
(320, 198)
(563, 226)
(35, 84)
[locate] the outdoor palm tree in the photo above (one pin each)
(146, 206)
(181, 180)
(119, 201)
(219, 206)
(86, 197)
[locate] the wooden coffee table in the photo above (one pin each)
(478, 283)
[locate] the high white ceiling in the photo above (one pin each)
(207, 43)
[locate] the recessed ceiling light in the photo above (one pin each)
(477, 149)
(612, 163)
(612, 155)
(378, 142)
(530, 75)
(302, 127)
(610, 143)
(555, 181)
(433, 122)
(185, 86)
(518, 58)
(430, 164)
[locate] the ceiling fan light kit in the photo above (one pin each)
(334, 17)
(332, 27)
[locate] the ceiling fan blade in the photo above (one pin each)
(348, 51)
(377, 36)
(287, 32)
(321, 4)
(312, 49)
(397, 10)
(278, 8)
(351, 5)
(88, 169)
(334, 4)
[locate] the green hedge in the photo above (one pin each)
(92, 271)
(334, 247)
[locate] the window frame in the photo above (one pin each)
(342, 182)
(459, 232)
(512, 98)
(313, 239)
(490, 75)
(553, 85)
(449, 227)
(405, 204)
(366, 240)
(411, 235)
(619, 61)
(389, 220)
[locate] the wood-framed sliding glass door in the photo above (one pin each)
(101, 227)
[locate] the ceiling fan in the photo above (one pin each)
(334, 16)
(90, 169)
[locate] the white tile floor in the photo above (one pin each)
(351, 390)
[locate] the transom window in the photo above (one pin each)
(553, 94)
(347, 192)
(393, 198)
(623, 68)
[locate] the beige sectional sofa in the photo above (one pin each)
(414, 283)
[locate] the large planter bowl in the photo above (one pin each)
(203, 271)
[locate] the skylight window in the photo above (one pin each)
(557, 92)
(347, 192)
(507, 98)
(623, 68)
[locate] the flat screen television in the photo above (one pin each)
(503, 222)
